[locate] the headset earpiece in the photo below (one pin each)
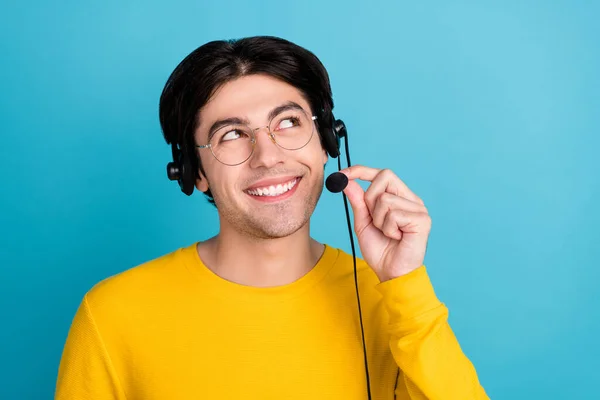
(332, 136)
(180, 170)
(339, 129)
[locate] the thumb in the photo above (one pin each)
(356, 196)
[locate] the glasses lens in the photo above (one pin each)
(293, 129)
(232, 144)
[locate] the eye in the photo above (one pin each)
(288, 123)
(231, 135)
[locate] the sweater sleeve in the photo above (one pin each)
(85, 370)
(432, 364)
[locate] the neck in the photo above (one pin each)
(249, 261)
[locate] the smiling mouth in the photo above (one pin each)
(274, 190)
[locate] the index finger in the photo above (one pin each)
(361, 172)
(384, 180)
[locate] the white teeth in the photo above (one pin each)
(273, 190)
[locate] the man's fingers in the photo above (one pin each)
(387, 202)
(360, 172)
(386, 197)
(382, 180)
(398, 223)
(387, 182)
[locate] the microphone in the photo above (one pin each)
(336, 182)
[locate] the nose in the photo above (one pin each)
(266, 152)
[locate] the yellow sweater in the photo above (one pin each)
(172, 329)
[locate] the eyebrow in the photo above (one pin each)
(290, 105)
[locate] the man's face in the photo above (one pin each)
(235, 188)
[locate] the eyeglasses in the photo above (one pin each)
(233, 144)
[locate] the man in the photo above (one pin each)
(262, 310)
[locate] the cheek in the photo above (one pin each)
(317, 150)
(321, 156)
(227, 180)
(213, 177)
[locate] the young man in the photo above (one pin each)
(262, 310)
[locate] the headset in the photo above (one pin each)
(180, 169)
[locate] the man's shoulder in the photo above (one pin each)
(149, 278)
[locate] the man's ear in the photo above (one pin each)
(202, 182)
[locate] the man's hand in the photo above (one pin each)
(391, 222)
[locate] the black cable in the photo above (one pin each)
(362, 331)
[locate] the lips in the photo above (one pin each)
(265, 183)
(276, 188)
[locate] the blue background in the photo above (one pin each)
(488, 111)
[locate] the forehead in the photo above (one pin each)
(251, 97)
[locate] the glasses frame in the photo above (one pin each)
(253, 140)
